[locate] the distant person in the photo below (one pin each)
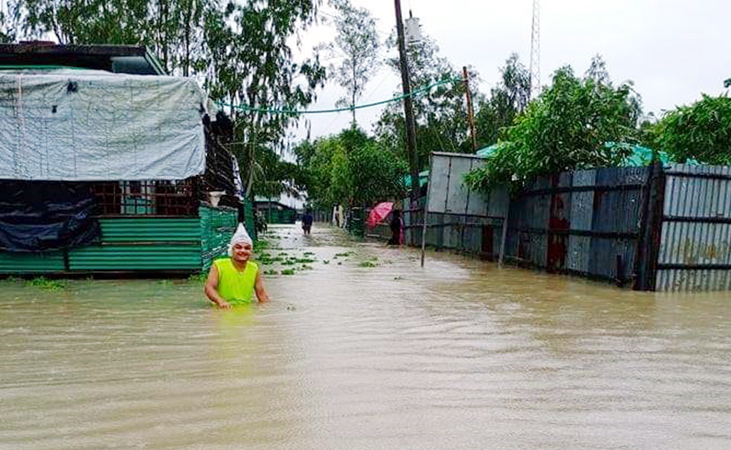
(260, 222)
(396, 226)
(307, 220)
(232, 281)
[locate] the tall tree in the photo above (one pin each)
(441, 114)
(7, 34)
(566, 128)
(701, 131)
(241, 49)
(357, 42)
(252, 69)
(84, 21)
(350, 169)
(508, 99)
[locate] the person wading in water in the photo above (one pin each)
(232, 281)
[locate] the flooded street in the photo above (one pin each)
(365, 351)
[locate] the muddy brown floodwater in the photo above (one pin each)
(365, 351)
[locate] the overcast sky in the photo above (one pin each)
(673, 50)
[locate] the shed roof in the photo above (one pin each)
(112, 58)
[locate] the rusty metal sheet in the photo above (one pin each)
(695, 243)
(693, 280)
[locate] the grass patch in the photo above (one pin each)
(271, 272)
(287, 272)
(304, 260)
(306, 267)
(367, 264)
(45, 283)
(261, 244)
(199, 277)
(326, 261)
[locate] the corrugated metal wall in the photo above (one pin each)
(141, 244)
(584, 222)
(21, 263)
(274, 215)
(459, 219)
(217, 225)
(695, 245)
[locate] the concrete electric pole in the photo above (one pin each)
(408, 107)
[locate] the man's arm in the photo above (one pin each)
(210, 289)
(261, 292)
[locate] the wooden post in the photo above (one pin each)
(426, 215)
(650, 231)
(504, 238)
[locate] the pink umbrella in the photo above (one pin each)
(378, 213)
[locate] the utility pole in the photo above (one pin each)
(470, 113)
(408, 107)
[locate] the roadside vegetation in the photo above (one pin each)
(243, 53)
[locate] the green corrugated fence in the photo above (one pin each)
(142, 244)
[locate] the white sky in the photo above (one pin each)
(673, 50)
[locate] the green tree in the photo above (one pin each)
(242, 50)
(508, 99)
(84, 21)
(441, 115)
(566, 129)
(251, 68)
(701, 131)
(351, 169)
(357, 42)
(7, 33)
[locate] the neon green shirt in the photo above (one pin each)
(236, 287)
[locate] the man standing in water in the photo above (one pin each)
(232, 281)
(307, 220)
(396, 226)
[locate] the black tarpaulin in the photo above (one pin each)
(38, 216)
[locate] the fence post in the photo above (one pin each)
(648, 248)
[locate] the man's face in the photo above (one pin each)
(242, 251)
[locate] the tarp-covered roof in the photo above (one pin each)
(86, 125)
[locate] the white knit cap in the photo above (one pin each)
(241, 236)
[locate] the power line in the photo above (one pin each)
(337, 110)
